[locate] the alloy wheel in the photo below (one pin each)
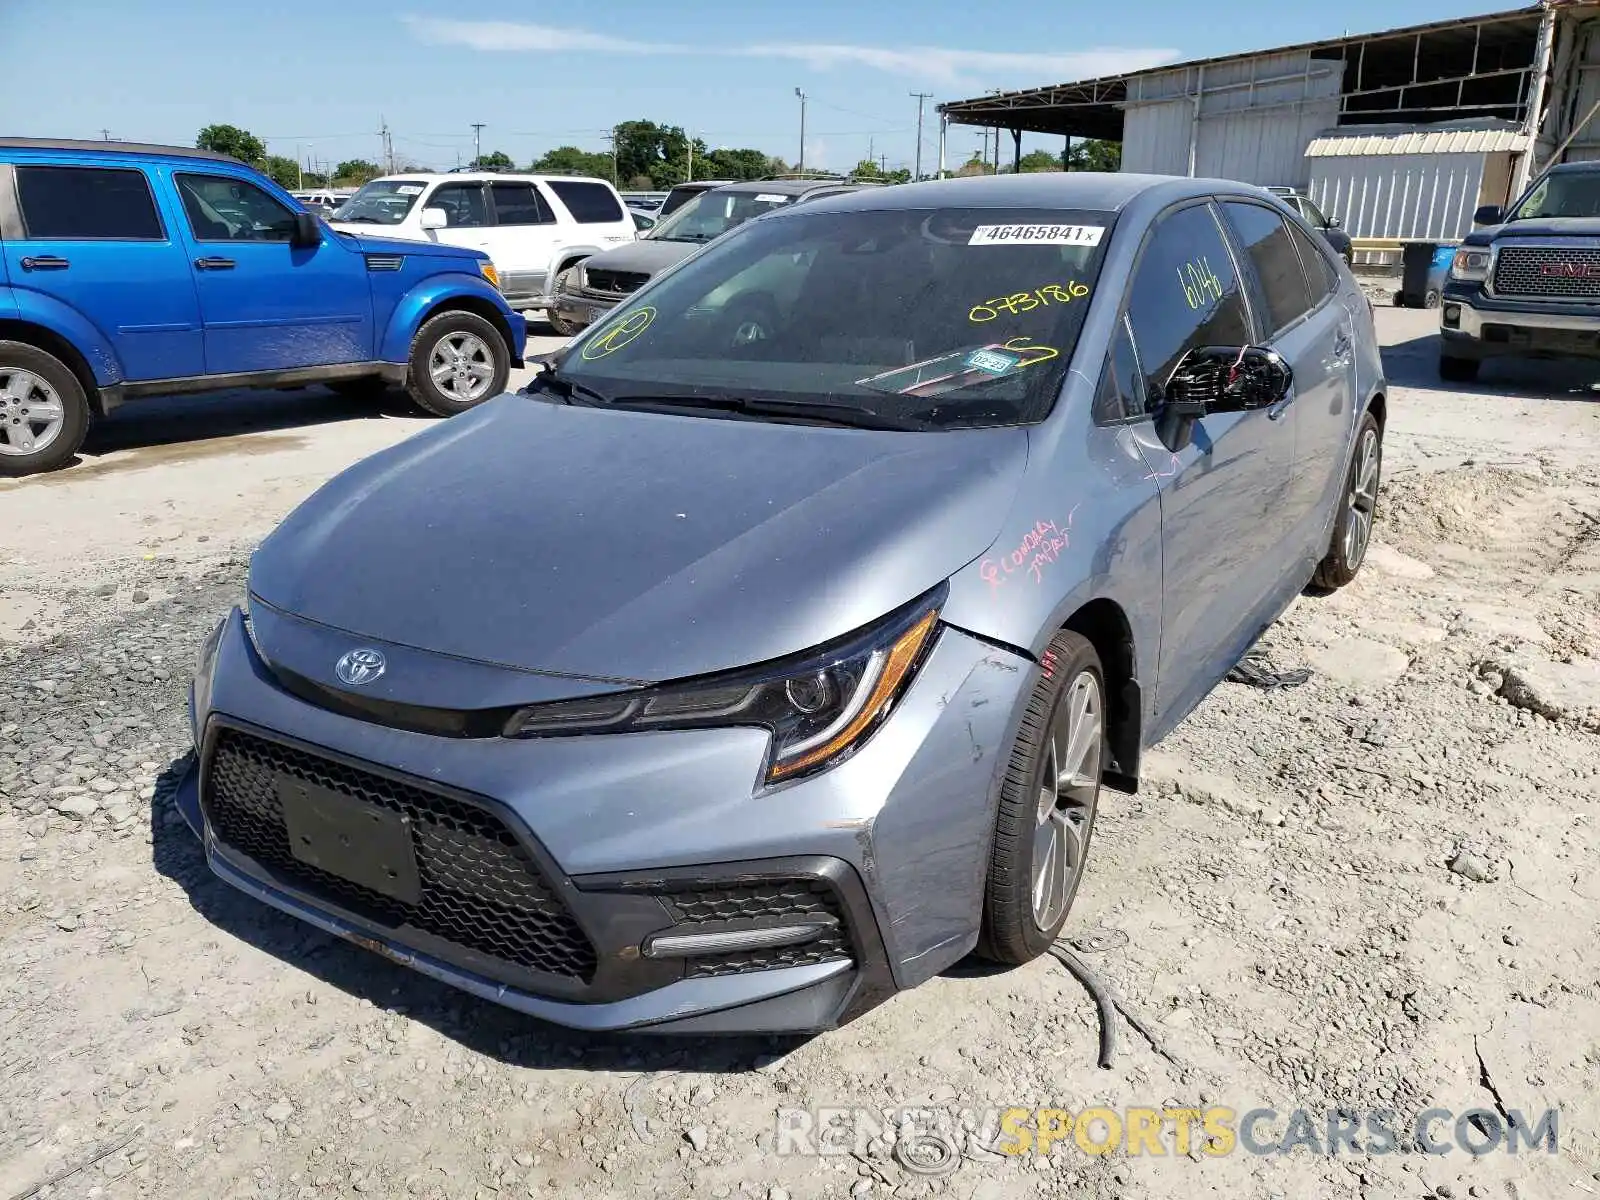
(1363, 499)
(461, 366)
(31, 412)
(1068, 790)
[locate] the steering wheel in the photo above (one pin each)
(750, 318)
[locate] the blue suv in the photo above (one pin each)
(130, 270)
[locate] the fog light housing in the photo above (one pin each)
(1452, 315)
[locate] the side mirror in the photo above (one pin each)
(1333, 223)
(435, 218)
(1489, 214)
(1225, 379)
(307, 231)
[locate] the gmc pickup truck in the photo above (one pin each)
(1527, 285)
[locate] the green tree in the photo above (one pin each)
(496, 160)
(357, 170)
(723, 163)
(976, 165)
(1092, 154)
(866, 169)
(233, 141)
(1039, 160)
(569, 160)
(285, 172)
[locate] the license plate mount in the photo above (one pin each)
(363, 843)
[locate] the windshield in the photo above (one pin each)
(381, 202)
(1563, 194)
(712, 214)
(943, 318)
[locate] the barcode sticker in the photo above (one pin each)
(409, 189)
(769, 198)
(1037, 235)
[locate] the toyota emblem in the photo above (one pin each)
(360, 667)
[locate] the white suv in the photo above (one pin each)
(533, 227)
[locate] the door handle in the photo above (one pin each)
(214, 263)
(45, 262)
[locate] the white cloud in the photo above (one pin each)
(931, 63)
(516, 35)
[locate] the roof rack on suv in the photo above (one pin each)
(818, 176)
(33, 143)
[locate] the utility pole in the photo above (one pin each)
(920, 98)
(299, 173)
(388, 146)
(690, 179)
(477, 143)
(883, 164)
(872, 150)
(612, 138)
(801, 166)
(944, 138)
(106, 134)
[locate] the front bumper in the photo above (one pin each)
(623, 828)
(583, 309)
(1475, 325)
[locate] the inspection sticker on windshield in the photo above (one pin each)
(409, 189)
(1036, 235)
(994, 362)
(769, 198)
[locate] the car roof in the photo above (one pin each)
(125, 149)
(1044, 189)
(1566, 168)
(785, 187)
(460, 176)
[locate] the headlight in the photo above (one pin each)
(818, 707)
(1470, 264)
(486, 268)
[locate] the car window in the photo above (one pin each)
(711, 214)
(677, 198)
(1122, 392)
(519, 204)
(940, 318)
(589, 203)
(87, 202)
(462, 203)
(381, 202)
(222, 208)
(1185, 293)
(1320, 275)
(1280, 283)
(1313, 214)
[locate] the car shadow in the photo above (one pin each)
(170, 420)
(1415, 364)
(477, 1025)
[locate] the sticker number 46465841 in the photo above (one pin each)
(1036, 235)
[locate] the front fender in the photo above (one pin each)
(414, 306)
(74, 328)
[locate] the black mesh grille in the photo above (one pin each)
(1554, 271)
(480, 890)
(618, 283)
(783, 899)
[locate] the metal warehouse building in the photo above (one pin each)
(1400, 135)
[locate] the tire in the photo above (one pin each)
(44, 413)
(368, 387)
(1458, 370)
(562, 327)
(1358, 510)
(486, 363)
(1015, 930)
(1432, 299)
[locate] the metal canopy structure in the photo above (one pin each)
(1446, 70)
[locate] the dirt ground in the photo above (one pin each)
(1375, 891)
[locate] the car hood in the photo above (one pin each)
(635, 547)
(644, 257)
(1548, 227)
(377, 244)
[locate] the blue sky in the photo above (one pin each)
(315, 79)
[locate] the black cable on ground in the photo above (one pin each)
(1102, 999)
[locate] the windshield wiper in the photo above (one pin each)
(551, 381)
(829, 411)
(368, 220)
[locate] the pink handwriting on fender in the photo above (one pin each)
(1040, 546)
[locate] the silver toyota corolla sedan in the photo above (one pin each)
(768, 654)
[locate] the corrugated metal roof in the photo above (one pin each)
(1351, 143)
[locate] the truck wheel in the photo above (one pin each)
(43, 411)
(1431, 300)
(1458, 370)
(1358, 509)
(1047, 805)
(458, 360)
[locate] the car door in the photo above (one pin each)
(523, 236)
(466, 212)
(93, 238)
(1302, 322)
(268, 305)
(1222, 534)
